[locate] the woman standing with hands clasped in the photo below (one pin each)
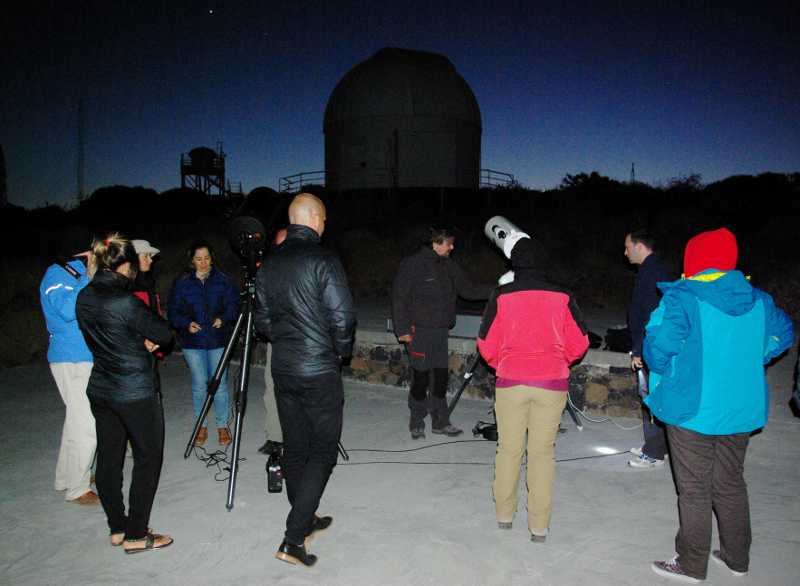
(122, 333)
(203, 306)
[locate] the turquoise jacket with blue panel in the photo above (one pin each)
(706, 346)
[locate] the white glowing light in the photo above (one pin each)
(605, 450)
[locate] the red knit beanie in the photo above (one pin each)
(715, 249)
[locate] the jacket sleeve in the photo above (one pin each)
(465, 288)
(665, 333)
(61, 292)
(576, 341)
(779, 329)
(175, 312)
(402, 294)
(147, 323)
(491, 332)
(337, 300)
(261, 312)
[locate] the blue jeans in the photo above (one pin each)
(202, 364)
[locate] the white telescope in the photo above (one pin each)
(504, 234)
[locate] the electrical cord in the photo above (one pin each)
(451, 463)
(583, 415)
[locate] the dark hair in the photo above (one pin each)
(197, 245)
(113, 251)
(440, 233)
(644, 236)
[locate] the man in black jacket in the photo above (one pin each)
(639, 246)
(423, 311)
(305, 309)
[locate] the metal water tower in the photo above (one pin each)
(203, 169)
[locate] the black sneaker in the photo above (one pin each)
(418, 433)
(672, 569)
(319, 525)
(449, 430)
(295, 554)
(270, 447)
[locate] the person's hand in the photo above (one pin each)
(85, 254)
(217, 323)
(150, 346)
(636, 363)
(194, 327)
(405, 339)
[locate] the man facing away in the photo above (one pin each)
(424, 309)
(71, 364)
(639, 246)
(304, 307)
(706, 346)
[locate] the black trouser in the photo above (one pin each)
(655, 435)
(708, 473)
(420, 404)
(141, 422)
(310, 411)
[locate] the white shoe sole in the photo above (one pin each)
(720, 562)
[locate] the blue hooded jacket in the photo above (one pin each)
(706, 346)
(58, 292)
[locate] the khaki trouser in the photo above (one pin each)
(272, 425)
(537, 412)
(78, 438)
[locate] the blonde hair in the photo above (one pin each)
(111, 252)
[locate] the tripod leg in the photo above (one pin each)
(213, 384)
(343, 452)
(467, 377)
(241, 405)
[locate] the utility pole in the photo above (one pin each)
(81, 151)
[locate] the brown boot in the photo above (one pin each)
(224, 436)
(201, 437)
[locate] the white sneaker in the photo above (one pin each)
(717, 557)
(645, 462)
(636, 451)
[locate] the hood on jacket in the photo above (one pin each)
(715, 249)
(730, 292)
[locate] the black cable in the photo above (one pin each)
(425, 447)
(466, 463)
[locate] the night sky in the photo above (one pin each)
(563, 87)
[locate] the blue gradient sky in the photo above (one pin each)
(563, 87)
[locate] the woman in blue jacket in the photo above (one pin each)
(203, 307)
(706, 345)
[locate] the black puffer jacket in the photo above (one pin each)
(425, 290)
(115, 324)
(304, 306)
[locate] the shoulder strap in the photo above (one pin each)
(71, 270)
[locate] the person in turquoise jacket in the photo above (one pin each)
(707, 345)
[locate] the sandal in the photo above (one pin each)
(149, 543)
(117, 539)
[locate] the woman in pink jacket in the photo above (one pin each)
(531, 332)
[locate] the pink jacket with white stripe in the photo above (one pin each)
(531, 330)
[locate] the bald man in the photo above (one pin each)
(304, 307)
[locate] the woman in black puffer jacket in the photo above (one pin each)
(122, 333)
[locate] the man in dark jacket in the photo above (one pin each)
(639, 246)
(305, 309)
(423, 311)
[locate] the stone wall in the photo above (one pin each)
(602, 382)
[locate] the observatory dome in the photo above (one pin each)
(402, 118)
